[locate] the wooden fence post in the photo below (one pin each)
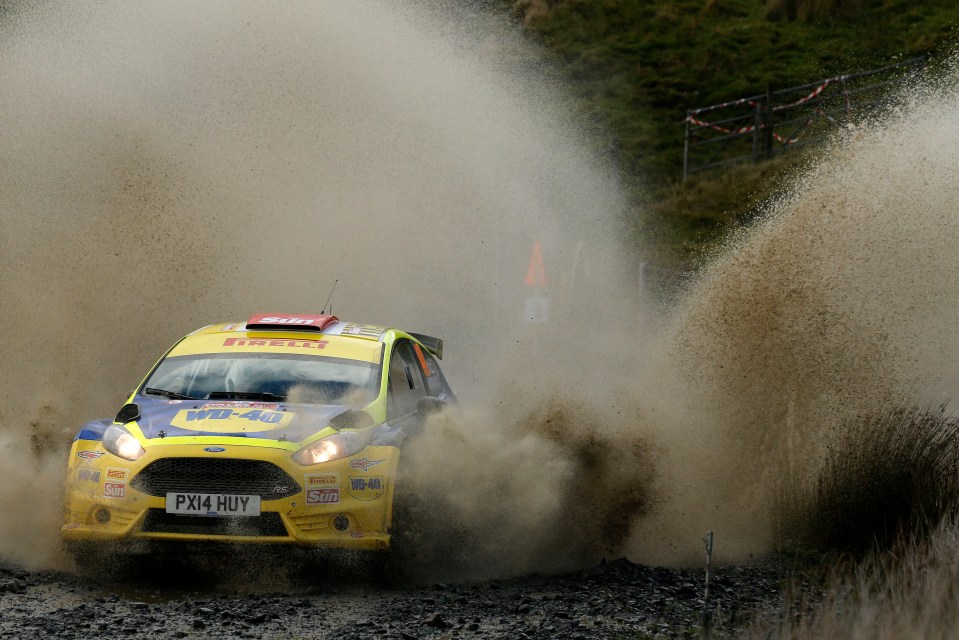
(768, 123)
(757, 130)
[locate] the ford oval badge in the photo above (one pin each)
(215, 449)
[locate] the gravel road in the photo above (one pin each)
(615, 599)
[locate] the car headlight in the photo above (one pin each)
(338, 445)
(120, 442)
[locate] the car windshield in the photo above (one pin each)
(294, 378)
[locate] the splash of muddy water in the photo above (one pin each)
(843, 300)
(165, 166)
(169, 165)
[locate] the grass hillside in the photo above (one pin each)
(637, 65)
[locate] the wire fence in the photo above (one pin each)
(759, 127)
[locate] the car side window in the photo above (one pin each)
(431, 371)
(406, 385)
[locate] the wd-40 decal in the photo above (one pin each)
(366, 488)
(231, 420)
(85, 474)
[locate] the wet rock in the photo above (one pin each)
(436, 620)
(619, 599)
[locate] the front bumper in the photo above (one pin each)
(342, 504)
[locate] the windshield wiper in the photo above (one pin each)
(168, 394)
(245, 395)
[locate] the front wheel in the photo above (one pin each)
(97, 560)
(427, 540)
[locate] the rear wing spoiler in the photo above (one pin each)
(433, 345)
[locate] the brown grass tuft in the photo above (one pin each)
(884, 477)
(907, 592)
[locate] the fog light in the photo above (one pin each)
(341, 523)
(102, 515)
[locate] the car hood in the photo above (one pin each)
(231, 418)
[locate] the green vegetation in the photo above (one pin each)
(636, 66)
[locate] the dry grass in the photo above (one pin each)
(885, 506)
(909, 591)
(888, 476)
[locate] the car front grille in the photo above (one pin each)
(215, 475)
(265, 524)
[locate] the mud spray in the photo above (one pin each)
(167, 166)
(163, 167)
(842, 300)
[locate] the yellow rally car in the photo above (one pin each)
(281, 430)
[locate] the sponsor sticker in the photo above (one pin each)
(240, 405)
(305, 319)
(365, 330)
(302, 344)
(327, 495)
(321, 479)
(423, 362)
(116, 474)
(115, 489)
(363, 464)
(87, 475)
(229, 417)
(89, 455)
(366, 488)
(322, 488)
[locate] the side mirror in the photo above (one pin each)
(128, 413)
(428, 405)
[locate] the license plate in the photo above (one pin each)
(212, 504)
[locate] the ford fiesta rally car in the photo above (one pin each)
(283, 430)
